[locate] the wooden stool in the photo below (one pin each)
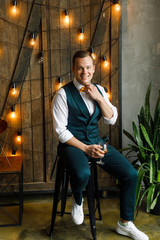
(92, 192)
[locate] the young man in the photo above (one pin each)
(77, 108)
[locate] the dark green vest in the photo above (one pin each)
(83, 126)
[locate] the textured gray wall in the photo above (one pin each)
(140, 56)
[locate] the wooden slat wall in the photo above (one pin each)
(38, 82)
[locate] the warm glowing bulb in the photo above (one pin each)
(14, 9)
(32, 42)
(60, 85)
(117, 7)
(93, 56)
(67, 19)
(108, 95)
(13, 90)
(18, 138)
(81, 36)
(60, 82)
(106, 63)
(32, 39)
(13, 115)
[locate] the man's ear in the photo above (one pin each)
(73, 69)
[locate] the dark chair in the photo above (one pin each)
(92, 193)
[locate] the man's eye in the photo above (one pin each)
(79, 68)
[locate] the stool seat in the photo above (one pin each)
(92, 193)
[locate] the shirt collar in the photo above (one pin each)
(77, 84)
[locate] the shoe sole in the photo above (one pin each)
(122, 233)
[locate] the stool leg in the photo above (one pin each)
(97, 191)
(21, 196)
(56, 195)
(90, 199)
(64, 191)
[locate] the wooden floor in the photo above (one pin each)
(37, 217)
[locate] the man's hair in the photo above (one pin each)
(82, 54)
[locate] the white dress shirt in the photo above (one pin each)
(60, 111)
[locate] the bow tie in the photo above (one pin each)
(83, 89)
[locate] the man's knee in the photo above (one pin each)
(133, 174)
(83, 176)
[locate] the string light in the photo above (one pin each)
(32, 39)
(13, 152)
(81, 35)
(13, 115)
(92, 53)
(60, 81)
(66, 16)
(108, 95)
(105, 62)
(13, 90)
(14, 10)
(117, 7)
(19, 138)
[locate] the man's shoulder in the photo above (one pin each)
(68, 84)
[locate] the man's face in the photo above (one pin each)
(84, 70)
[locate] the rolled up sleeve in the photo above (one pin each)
(60, 116)
(112, 120)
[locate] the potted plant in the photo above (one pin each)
(146, 145)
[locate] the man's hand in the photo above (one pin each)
(93, 92)
(94, 151)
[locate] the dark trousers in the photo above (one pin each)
(115, 164)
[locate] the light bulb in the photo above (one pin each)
(14, 9)
(108, 95)
(19, 136)
(13, 152)
(32, 39)
(93, 54)
(66, 17)
(13, 115)
(117, 7)
(13, 90)
(81, 35)
(105, 62)
(60, 82)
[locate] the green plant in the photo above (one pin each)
(146, 139)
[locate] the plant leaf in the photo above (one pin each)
(146, 136)
(150, 194)
(158, 175)
(147, 104)
(129, 136)
(154, 202)
(141, 174)
(140, 201)
(151, 170)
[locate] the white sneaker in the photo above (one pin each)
(77, 213)
(131, 231)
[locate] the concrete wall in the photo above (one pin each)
(140, 56)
